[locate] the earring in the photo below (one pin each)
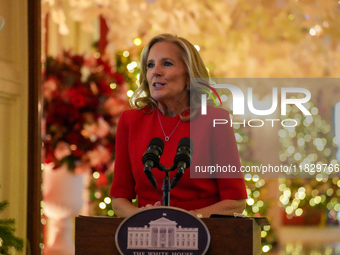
(188, 88)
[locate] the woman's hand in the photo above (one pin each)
(224, 207)
(124, 208)
(148, 206)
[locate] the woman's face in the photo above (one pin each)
(166, 74)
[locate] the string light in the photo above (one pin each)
(255, 206)
(137, 41)
(96, 175)
(113, 85)
(107, 200)
(96, 55)
(250, 201)
(312, 32)
(102, 205)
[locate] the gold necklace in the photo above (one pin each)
(166, 137)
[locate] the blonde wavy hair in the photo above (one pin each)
(195, 69)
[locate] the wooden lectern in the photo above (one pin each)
(229, 236)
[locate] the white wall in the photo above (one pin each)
(13, 111)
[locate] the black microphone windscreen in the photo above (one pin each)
(156, 141)
(186, 142)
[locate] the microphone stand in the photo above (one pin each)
(166, 189)
(166, 184)
(182, 161)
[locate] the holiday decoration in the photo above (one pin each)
(310, 146)
(83, 98)
(63, 200)
(282, 38)
(7, 238)
(100, 184)
(257, 205)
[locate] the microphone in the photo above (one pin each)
(151, 158)
(182, 159)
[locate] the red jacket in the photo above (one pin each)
(212, 146)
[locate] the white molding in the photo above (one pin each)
(9, 81)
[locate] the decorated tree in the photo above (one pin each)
(282, 38)
(101, 182)
(310, 196)
(257, 203)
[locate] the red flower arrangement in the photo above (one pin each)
(83, 98)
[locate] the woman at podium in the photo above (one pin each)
(167, 106)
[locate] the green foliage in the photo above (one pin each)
(100, 185)
(128, 68)
(257, 205)
(7, 238)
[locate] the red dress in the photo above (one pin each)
(212, 146)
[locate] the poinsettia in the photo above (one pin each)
(83, 98)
